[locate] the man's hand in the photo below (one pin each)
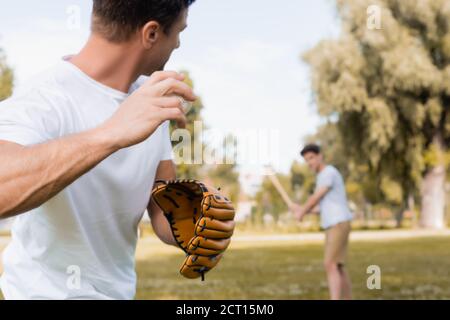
(31, 175)
(298, 211)
(301, 211)
(157, 101)
(166, 171)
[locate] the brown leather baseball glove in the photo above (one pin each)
(202, 222)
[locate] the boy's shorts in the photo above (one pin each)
(336, 243)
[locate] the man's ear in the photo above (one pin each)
(150, 34)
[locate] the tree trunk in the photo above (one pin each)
(433, 193)
(412, 209)
(399, 217)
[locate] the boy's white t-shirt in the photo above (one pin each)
(81, 243)
(334, 205)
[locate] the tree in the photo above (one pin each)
(223, 176)
(302, 181)
(268, 199)
(6, 78)
(389, 89)
(191, 170)
(332, 144)
(364, 187)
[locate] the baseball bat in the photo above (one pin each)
(276, 183)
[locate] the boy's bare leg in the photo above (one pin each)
(336, 247)
(334, 280)
(346, 284)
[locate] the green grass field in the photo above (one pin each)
(411, 269)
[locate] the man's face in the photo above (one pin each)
(168, 41)
(313, 160)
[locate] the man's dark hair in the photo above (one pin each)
(116, 20)
(314, 148)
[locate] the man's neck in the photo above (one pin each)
(113, 65)
(322, 167)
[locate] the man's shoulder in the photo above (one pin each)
(44, 86)
(329, 171)
(332, 169)
(334, 172)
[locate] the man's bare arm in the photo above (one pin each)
(31, 175)
(314, 200)
(166, 171)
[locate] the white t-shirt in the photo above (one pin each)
(333, 206)
(81, 243)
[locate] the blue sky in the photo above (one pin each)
(244, 57)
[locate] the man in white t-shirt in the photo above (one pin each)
(80, 149)
(335, 219)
